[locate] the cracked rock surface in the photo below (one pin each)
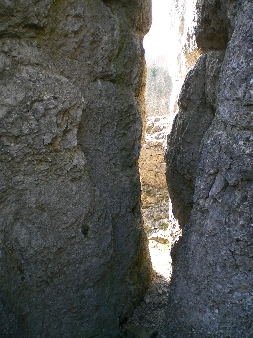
(211, 293)
(73, 254)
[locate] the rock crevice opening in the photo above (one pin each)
(74, 257)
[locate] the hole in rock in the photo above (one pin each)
(170, 52)
(85, 230)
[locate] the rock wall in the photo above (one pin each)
(211, 292)
(74, 258)
(197, 106)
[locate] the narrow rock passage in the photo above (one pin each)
(149, 318)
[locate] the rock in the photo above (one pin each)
(160, 236)
(152, 171)
(215, 23)
(74, 257)
(150, 315)
(197, 106)
(212, 284)
(136, 331)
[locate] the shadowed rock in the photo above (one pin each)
(74, 259)
(197, 106)
(211, 290)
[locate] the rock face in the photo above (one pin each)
(197, 105)
(152, 171)
(74, 258)
(211, 293)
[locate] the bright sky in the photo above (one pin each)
(156, 42)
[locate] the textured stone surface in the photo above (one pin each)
(211, 294)
(74, 258)
(197, 105)
(215, 23)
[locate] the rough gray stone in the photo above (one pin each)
(74, 259)
(136, 331)
(215, 23)
(211, 293)
(197, 105)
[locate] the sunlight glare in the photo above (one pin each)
(156, 41)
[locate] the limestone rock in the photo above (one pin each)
(141, 332)
(215, 23)
(74, 258)
(212, 284)
(197, 105)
